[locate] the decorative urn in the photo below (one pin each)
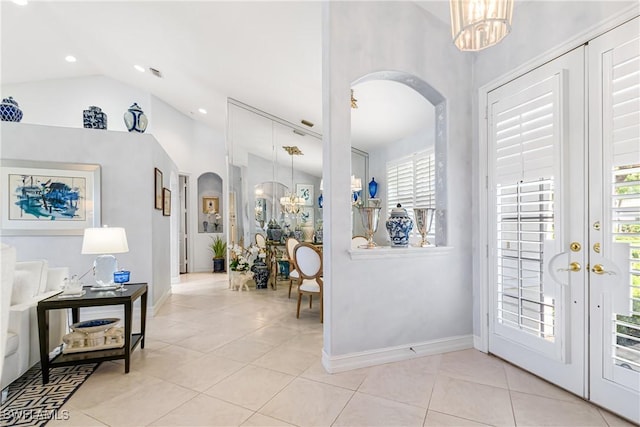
(260, 273)
(135, 119)
(94, 118)
(10, 110)
(373, 188)
(274, 232)
(399, 225)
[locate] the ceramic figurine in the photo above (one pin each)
(94, 118)
(10, 110)
(399, 225)
(135, 119)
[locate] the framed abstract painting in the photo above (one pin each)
(166, 202)
(49, 198)
(157, 180)
(305, 191)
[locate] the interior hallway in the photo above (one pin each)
(216, 357)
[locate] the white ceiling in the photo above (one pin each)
(264, 54)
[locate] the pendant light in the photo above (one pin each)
(478, 24)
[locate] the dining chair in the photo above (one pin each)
(290, 244)
(358, 241)
(308, 261)
(261, 242)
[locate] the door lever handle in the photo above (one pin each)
(599, 269)
(574, 266)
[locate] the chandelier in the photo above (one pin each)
(478, 24)
(291, 203)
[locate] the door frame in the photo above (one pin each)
(480, 198)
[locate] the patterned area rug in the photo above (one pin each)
(30, 403)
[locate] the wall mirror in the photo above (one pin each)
(265, 177)
(398, 121)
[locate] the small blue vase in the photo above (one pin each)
(320, 200)
(10, 111)
(373, 188)
(399, 225)
(135, 119)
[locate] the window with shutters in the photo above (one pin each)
(411, 182)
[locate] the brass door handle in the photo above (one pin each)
(574, 266)
(599, 269)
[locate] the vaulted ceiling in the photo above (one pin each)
(265, 54)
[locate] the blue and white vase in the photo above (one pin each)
(399, 225)
(94, 118)
(320, 200)
(135, 119)
(260, 273)
(373, 188)
(10, 110)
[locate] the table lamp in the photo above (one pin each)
(104, 241)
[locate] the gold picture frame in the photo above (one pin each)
(166, 202)
(209, 204)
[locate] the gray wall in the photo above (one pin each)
(385, 303)
(127, 162)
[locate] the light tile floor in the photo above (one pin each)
(215, 357)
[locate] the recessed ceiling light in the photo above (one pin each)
(70, 58)
(20, 2)
(202, 110)
(139, 68)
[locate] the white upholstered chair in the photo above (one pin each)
(261, 242)
(294, 275)
(308, 261)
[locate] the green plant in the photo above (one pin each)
(218, 247)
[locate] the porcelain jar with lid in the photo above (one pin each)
(10, 110)
(135, 119)
(399, 225)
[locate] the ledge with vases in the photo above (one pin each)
(393, 252)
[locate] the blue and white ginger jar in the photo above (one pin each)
(94, 118)
(135, 119)
(10, 111)
(399, 225)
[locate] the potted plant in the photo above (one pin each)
(219, 249)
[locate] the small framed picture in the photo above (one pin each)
(158, 189)
(166, 202)
(210, 205)
(305, 192)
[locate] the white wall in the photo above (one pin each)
(567, 24)
(127, 161)
(194, 147)
(378, 308)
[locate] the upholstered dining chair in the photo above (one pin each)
(261, 242)
(358, 241)
(290, 244)
(308, 261)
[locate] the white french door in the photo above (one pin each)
(614, 220)
(564, 222)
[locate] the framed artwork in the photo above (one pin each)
(166, 202)
(48, 198)
(210, 205)
(305, 191)
(306, 215)
(158, 188)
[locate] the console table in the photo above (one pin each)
(93, 299)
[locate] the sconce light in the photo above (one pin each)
(478, 24)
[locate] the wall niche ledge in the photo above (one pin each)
(389, 252)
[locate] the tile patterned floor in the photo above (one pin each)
(216, 357)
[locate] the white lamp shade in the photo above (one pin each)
(105, 240)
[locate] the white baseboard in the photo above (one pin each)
(479, 344)
(153, 309)
(334, 364)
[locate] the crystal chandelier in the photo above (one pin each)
(291, 203)
(478, 24)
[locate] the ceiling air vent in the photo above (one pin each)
(155, 72)
(299, 132)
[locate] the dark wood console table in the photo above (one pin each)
(93, 299)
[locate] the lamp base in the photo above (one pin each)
(103, 268)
